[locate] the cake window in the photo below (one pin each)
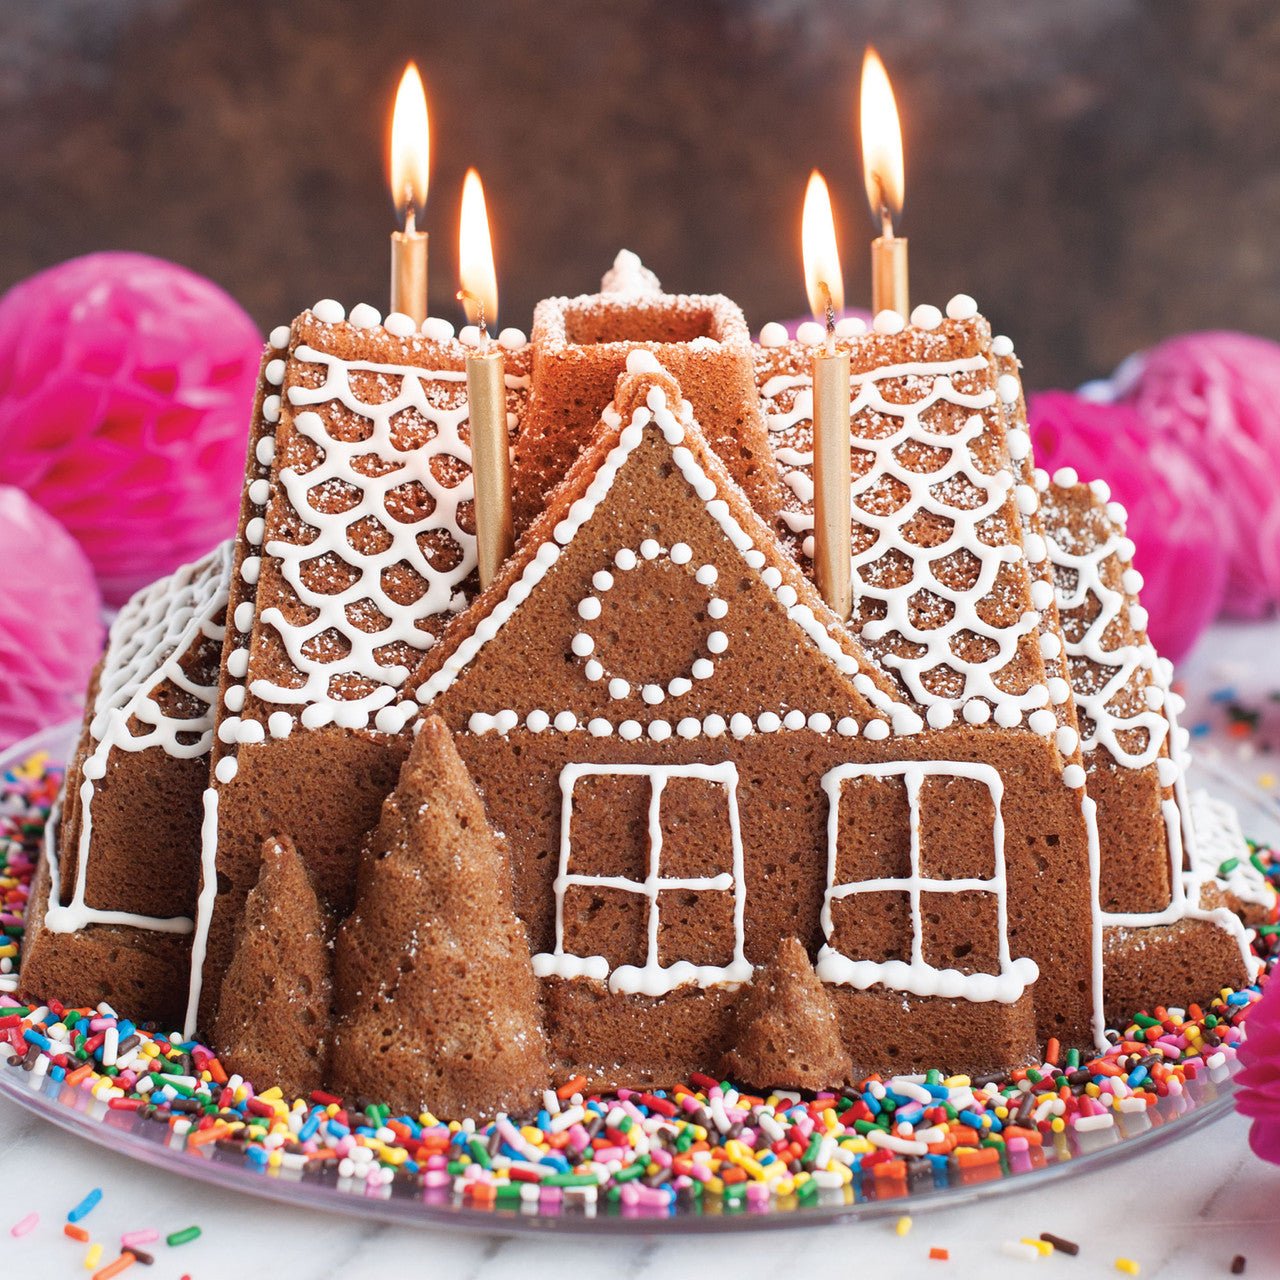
(916, 892)
(646, 904)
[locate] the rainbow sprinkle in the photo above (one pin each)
(641, 1151)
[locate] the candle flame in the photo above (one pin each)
(475, 255)
(410, 146)
(822, 276)
(882, 162)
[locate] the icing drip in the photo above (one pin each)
(307, 644)
(917, 976)
(653, 978)
(956, 493)
(204, 907)
(147, 643)
(655, 415)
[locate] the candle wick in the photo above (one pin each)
(465, 296)
(410, 212)
(829, 307)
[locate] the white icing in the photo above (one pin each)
(926, 317)
(330, 611)
(917, 976)
(629, 277)
(966, 499)
(147, 642)
(329, 311)
(1080, 587)
(1219, 838)
(204, 907)
(653, 978)
(437, 329)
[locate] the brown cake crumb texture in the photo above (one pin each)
(436, 1001)
(787, 1032)
(273, 1017)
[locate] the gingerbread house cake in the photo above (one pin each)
(952, 826)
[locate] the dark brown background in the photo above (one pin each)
(1098, 173)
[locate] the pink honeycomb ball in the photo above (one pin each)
(1217, 395)
(1175, 520)
(126, 386)
(50, 619)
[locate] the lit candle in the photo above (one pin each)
(410, 162)
(831, 516)
(882, 169)
(486, 385)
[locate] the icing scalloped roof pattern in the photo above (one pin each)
(149, 638)
(368, 536)
(938, 578)
(1115, 673)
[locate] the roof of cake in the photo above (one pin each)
(153, 691)
(1120, 683)
(358, 520)
(945, 595)
(707, 486)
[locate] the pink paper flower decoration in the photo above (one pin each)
(1218, 396)
(126, 386)
(50, 619)
(1175, 520)
(1258, 1085)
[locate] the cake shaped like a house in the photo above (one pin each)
(966, 804)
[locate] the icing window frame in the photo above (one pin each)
(918, 976)
(653, 978)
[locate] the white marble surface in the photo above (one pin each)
(1180, 1211)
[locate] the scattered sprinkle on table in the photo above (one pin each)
(122, 1263)
(1238, 1264)
(1060, 1245)
(185, 1236)
(1128, 1266)
(1022, 1249)
(26, 1224)
(939, 1255)
(86, 1206)
(902, 1226)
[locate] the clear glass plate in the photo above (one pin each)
(1205, 1099)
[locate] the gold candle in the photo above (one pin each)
(889, 290)
(832, 555)
(831, 514)
(409, 271)
(885, 178)
(410, 162)
(486, 386)
(490, 459)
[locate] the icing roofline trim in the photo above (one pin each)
(656, 415)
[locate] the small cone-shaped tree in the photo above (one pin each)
(788, 1035)
(436, 1000)
(273, 1018)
